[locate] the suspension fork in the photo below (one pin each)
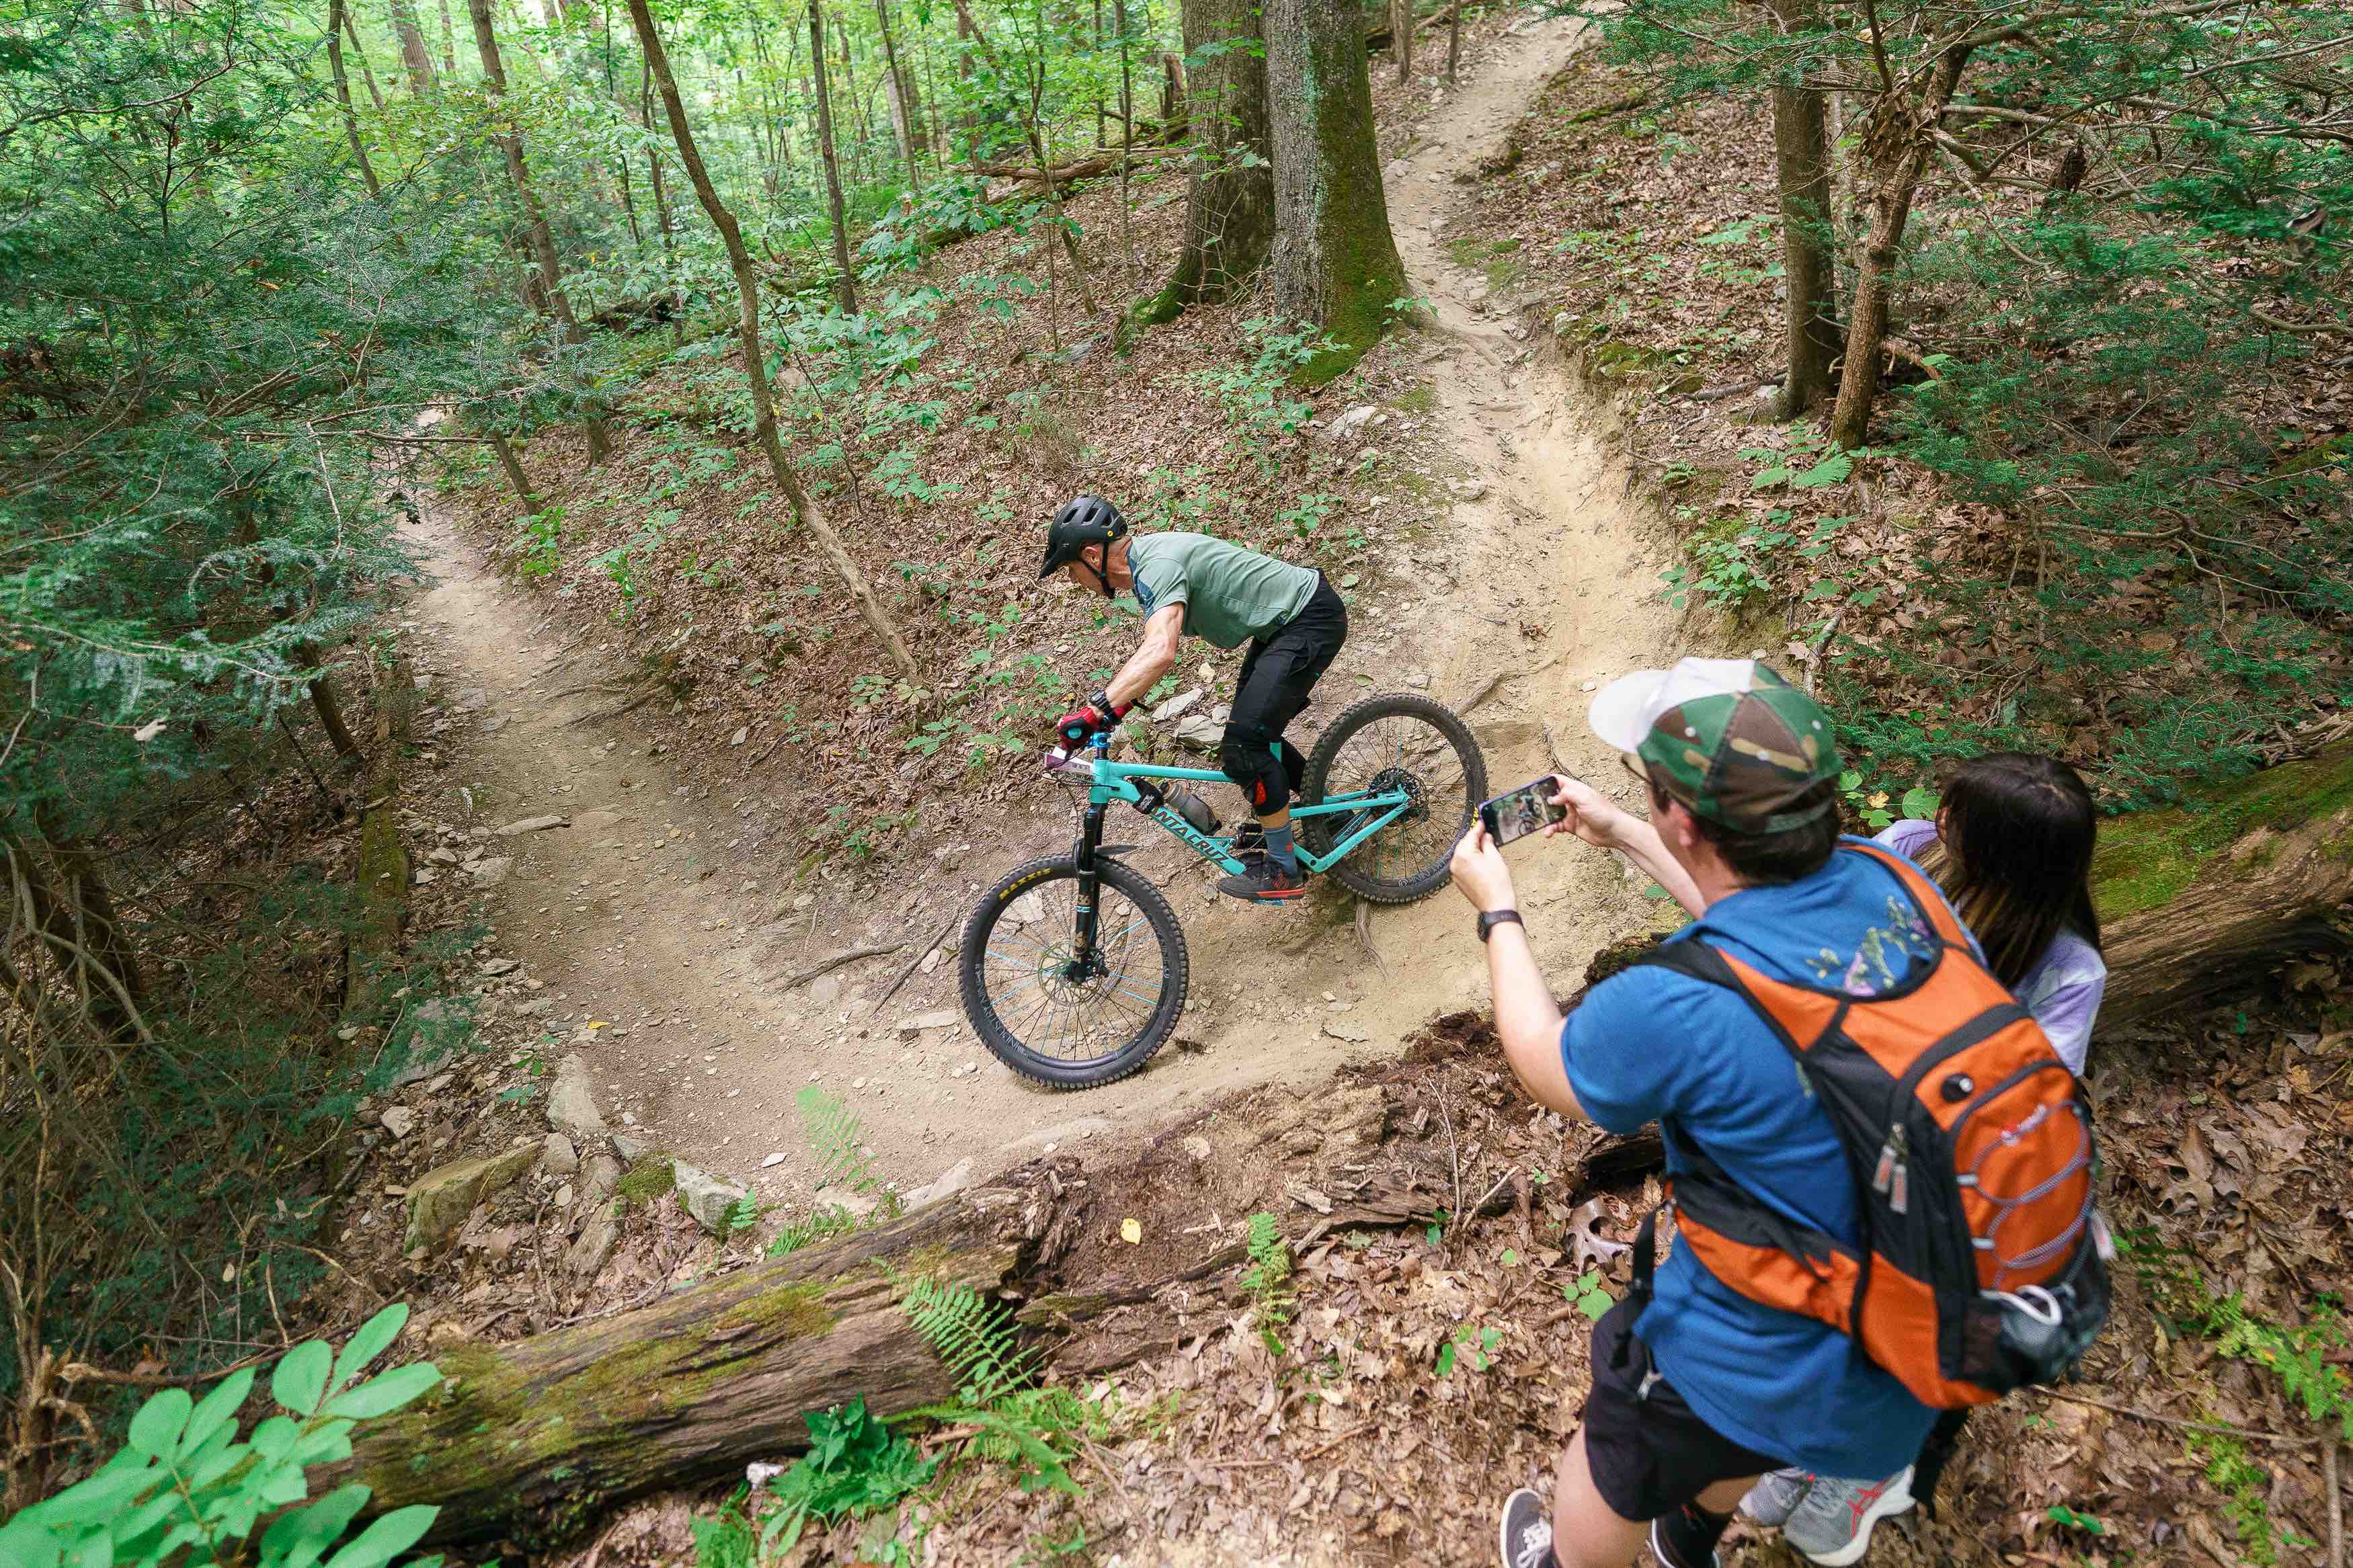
(1089, 881)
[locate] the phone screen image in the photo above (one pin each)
(1518, 813)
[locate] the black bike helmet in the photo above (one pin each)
(1083, 521)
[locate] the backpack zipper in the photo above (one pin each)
(1892, 1180)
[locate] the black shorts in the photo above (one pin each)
(1650, 1452)
(1278, 673)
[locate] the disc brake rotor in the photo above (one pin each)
(1395, 780)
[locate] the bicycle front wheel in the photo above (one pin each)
(1382, 745)
(1050, 1013)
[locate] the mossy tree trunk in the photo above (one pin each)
(538, 1438)
(1229, 209)
(1336, 263)
(2193, 899)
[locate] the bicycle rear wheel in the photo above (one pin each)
(1047, 1015)
(1388, 742)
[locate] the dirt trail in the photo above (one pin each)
(645, 914)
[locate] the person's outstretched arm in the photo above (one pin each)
(1526, 1017)
(1602, 822)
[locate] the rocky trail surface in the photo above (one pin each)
(667, 941)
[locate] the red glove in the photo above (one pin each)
(1082, 724)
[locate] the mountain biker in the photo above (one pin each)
(1226, 596)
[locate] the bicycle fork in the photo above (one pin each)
(1084, 960)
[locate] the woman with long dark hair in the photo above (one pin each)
(2011, 847)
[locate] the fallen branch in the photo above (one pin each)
(2222, 1428)
(2315, 328)
(631, 706)
(1617, 105)
(915, 962)
(847, 955)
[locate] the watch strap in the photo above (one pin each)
(1493, 918)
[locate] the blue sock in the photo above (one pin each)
(1278, 849)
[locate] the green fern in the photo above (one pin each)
(823, 1226)
(833, 1134)
(973, 1337)
(1267, 1280)
(1037, 1430)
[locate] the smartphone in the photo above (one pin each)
(1518, 813)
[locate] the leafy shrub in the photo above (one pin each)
(184, 1489)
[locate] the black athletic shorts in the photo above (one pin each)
(1650, 1452)
(1278, 673)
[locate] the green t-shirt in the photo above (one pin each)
(1230, 594)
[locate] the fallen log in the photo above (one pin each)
(1086, 168)
(535, 1439)
(2192, 899)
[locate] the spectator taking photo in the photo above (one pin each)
(1756, 1347)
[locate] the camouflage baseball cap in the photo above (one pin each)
(1726, 737)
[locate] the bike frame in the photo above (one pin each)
(1136, 785)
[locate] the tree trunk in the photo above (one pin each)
(74, 918)
(511, 461)
(413, 55)
(755, 364)
(845, 285)
(906, 108)
(662, 222)
(1335, 263)
(541, 237)
(359, 53)
(1402, 38)
(449, 43)
(543, 1436)
(336, 19)
(381, 875)
(1230, 208)
(1453, 39)
(1898, 170)
(2192, 900)
(1802, 161)
(322, 688)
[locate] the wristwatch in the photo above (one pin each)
(1493, 918)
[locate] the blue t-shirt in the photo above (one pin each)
(1649, 1043)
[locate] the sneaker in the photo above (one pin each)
(1773, 1500)
(1264, 882)
(1666, 1554)
(1525, 1533)
(1831, 1525)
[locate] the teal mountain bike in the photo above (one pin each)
(1073, 968)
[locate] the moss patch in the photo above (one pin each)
(652, 1177)
(2146, 859)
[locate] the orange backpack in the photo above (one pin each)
(1980, 1269)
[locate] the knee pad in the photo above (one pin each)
(1249, 763)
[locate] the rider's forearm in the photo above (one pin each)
(1639, 842)
(1142, 671)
